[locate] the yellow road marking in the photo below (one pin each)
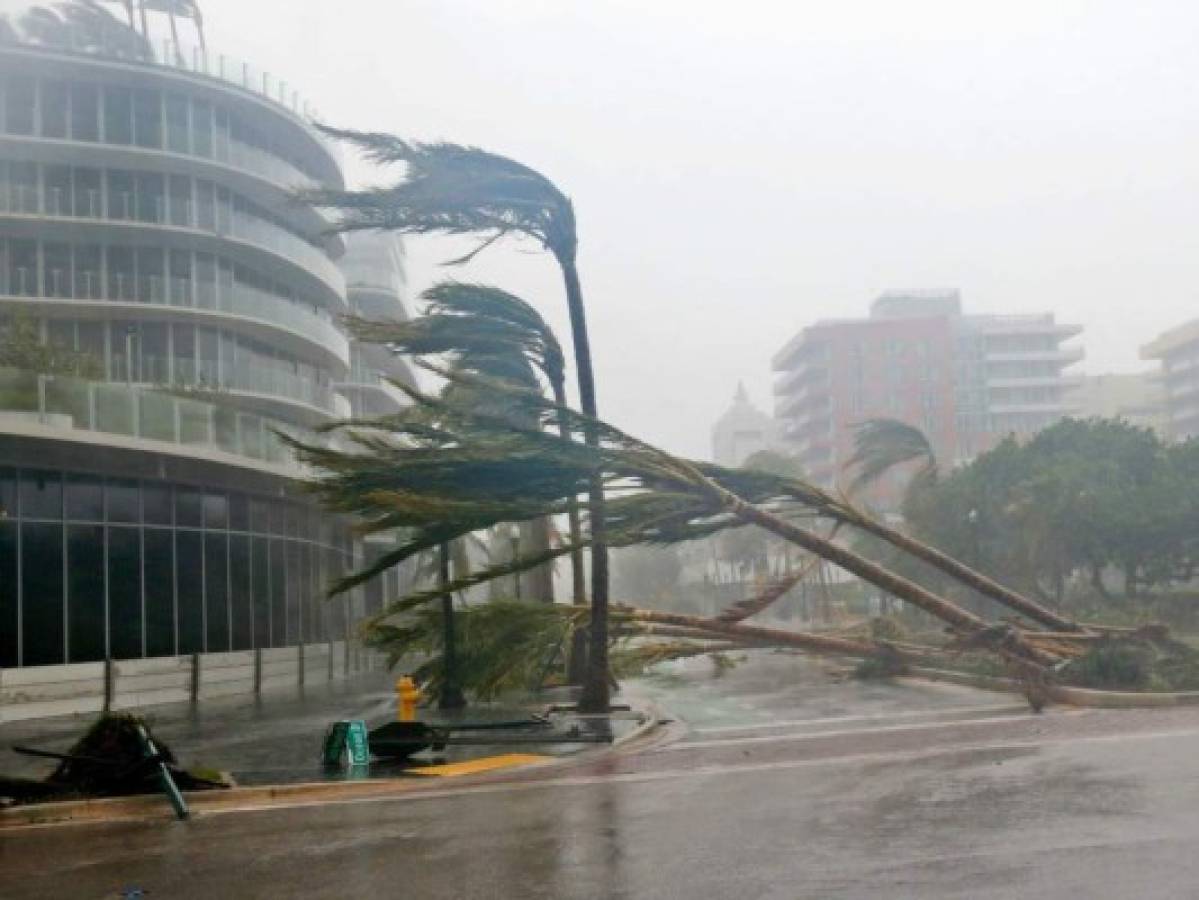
(482, 764)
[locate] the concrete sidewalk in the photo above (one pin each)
(276, 738)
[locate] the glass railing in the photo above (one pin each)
(229, 152)
(72, 403)
(263, 164)
(159, 210)
(250, 376)
(238, 299)
(264, 234)
(371, 276)
(188, 58)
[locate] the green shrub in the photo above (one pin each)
(1114, 665)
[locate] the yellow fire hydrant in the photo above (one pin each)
(407, 696)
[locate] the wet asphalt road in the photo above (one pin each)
(777, 782)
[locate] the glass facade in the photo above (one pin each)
(93, 566)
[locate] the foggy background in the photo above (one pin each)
(741, 170)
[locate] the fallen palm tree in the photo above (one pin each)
(510, 342)
(440, 471)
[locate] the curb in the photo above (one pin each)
(1061, 693)
(153, 807)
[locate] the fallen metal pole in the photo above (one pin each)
(164, 774)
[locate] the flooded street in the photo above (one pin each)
(762, 788)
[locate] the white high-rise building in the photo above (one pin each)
(148, 225)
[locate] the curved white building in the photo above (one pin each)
(148, 226)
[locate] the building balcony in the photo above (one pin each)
(254, 173)
(1063, 355)
(373, 302)
(1179, 341)
(206, 72)
(371, 276)
(1181, 369)
(1181, 394)
(370, 361)
(1066, 382)
(1051, 407)
(1022, 325)
(308, 333)
(800, 349)
(805, 406)
(24, 210)
(266, 389)
(373, 397)
(800, 376)
(67, 408)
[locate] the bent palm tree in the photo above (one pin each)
(490, 332)
(457, 190)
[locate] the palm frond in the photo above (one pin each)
(500, 646)
(882, 444)
(452, 189)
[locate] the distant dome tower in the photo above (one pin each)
(742, 431)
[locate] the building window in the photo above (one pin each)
(216, 592)
(118, 115)
(159, 591)
(42, 593)
(85, 112)
(125, 592)
(189, 581)
(9, 597)
(19, 104)
(239, 592)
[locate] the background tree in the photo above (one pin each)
(1080, 498)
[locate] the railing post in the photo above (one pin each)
(347, 610)
(195, 679)
(257, 671)
(300, 656)
(108, 684)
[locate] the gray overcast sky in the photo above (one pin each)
(742, 169)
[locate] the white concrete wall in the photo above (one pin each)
(40, 691)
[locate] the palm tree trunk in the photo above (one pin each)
(451, 693)
(595, 694)
(816, 643)
(577, 664)
(970, 577)
(539, 581)
(578, 569)
(960, 619)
